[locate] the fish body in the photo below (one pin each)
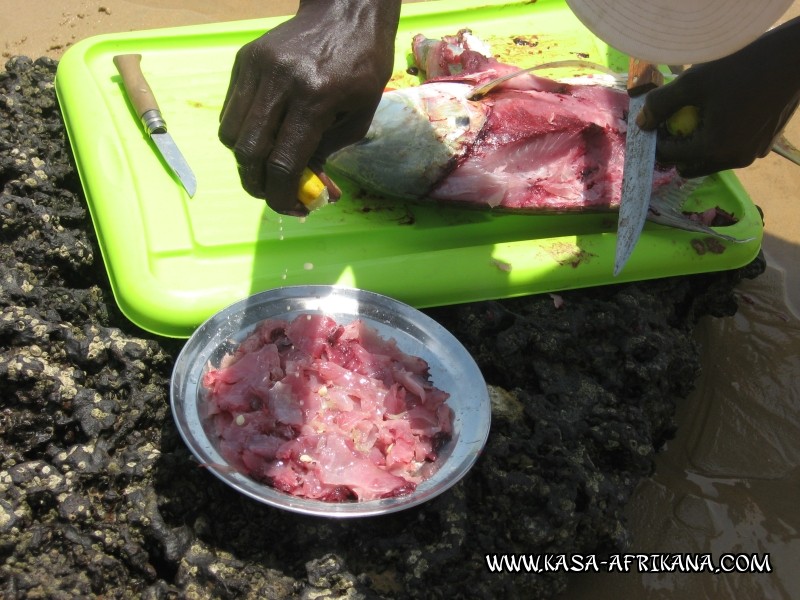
(528, 145)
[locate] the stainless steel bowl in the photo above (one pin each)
(452, 370)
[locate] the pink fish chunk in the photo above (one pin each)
(327, 411)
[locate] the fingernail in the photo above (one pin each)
(643, 119)
(333, 189)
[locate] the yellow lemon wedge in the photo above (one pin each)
(684, 121)
(312, 192)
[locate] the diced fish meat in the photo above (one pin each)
(327, 411)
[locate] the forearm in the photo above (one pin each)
(772, 63)
(777, 53)
(786, 37)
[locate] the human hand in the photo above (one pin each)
(305, 89)
(744, 101)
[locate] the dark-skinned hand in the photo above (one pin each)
(744, 101)
(305, 89)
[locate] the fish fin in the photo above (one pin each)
(666, 209)
(479, 91)
(612, 78)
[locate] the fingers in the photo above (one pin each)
(255, 138)
(304, 137)
(295, 143)
(270, 149)
(673, 150)
(689, 152)
(690, 171)
(662, 102)
(229, 92)
(698, 155)
(646, 119)
(239, 98)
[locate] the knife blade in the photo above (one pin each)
(640, 158)
(144, 102)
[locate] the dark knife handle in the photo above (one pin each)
(139, 92)
(642, 77)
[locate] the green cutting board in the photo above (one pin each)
(173, 261)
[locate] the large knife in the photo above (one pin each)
(144, 102)
(640, 158)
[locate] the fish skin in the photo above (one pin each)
(519, 150)
(416, 136)
(531, 145)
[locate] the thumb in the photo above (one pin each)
(646, 119)
(662, 102)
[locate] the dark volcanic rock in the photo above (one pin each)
(100, 498)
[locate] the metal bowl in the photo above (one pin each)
(452, 370)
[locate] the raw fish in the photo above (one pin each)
(527, 144)
(327, 411)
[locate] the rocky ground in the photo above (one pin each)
(100, 498)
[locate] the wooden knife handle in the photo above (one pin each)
(642, 77)
(139, 92)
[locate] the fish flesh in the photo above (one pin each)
(482, 133)
(327, 411)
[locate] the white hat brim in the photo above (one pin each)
(678, 31)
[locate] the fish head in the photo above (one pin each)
(415, 138)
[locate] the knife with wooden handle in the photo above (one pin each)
(144, 102)
(640, 159)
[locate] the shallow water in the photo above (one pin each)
(730, 480)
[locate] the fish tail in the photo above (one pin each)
(666, 208)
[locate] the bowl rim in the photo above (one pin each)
(230, 325)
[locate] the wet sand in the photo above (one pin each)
(730, 480)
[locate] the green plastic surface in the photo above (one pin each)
(174, 261)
